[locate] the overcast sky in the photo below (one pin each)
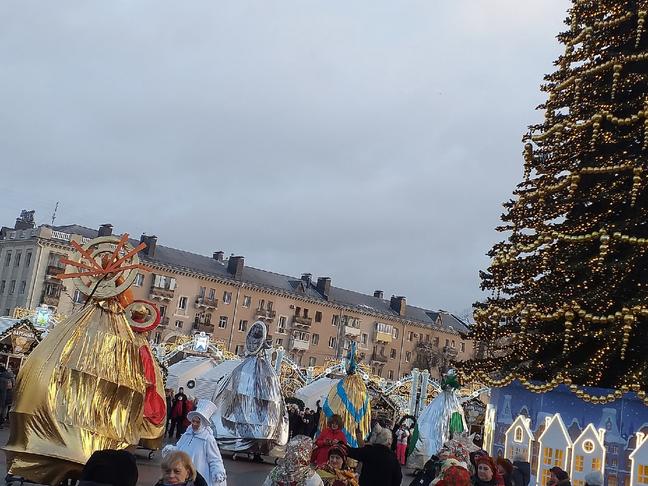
(371, 141)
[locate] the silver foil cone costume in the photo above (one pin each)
(251, 413)
(441, 418)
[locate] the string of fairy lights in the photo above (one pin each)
(569, 298)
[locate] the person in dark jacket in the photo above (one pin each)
(379, 464)
(558, 477)
(521, 475)
(430, 471)
(110, 467)
(505, 468)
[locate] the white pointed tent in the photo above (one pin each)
(316, 390)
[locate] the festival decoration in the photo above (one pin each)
(251, 413)
(569, 291)
(350, 400)
(92, 383)
(442, 420)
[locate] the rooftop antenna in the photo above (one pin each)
(54, 213)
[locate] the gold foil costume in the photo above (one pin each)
(83, 387)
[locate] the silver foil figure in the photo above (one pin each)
(251, 413)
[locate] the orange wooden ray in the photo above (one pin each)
(113, 266)
(118, 247)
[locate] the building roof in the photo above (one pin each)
(192, 262)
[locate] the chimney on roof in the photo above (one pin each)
(105, 230)
(25, 220)
(235, 266)
(151, 243)
(378, 294)
(398, 304)
(306, 278)
(324, 286)
(218, 255)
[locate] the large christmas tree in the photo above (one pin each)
(569, 285)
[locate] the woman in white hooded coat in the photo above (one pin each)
(198, 441)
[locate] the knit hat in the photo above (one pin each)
(455, 476)
(117, 468)
(559, 473)
(594, 478)
(337, 450)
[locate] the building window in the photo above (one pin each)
(239, 350)
(546, 477)
(158, 337)
(580, 462)
(18, 255)
(436, 341)
(463, 347)
(364, 338)
(78, 297)
(548, 455)
(318, 316)
(227, 297)
(335, 320)
(447, 343)
(332, 342)
(408, 356)
(612, 480)
(390, 374)
(242, 325)
(427, 338)
(559, 454)
(395, 333)
(279, 342)
(453, 345)
(3, 284)
(178, 324)
(222, 322)
(312, 361)
(596, 463)
(212, 294)
(643, 474)
(23, 286)
(12, 287)
(162, 310)
(410, 336)
(392, 353)
(28, 256)
(7, 311)
(281, 325)
(201, 292)
(614, 449)
(182, 303)
(305, 312)
(588, 446)
(139, 280)
(247, 301)
(315, 339)
(8, 258)
(164, 282)
(300, 336)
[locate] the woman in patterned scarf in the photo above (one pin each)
(295, 470)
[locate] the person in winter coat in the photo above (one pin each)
(426, 475)
(487, 473)
(116, 468)
(178, 470)
(521, 475)
(558, 477)
(330, 436)
(379, 464)
(295, 469)
(402, 439)
(505, 468)
(199, 443)
(179, 412)
(336, 471)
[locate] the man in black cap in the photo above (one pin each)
(110, 467)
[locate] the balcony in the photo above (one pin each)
(207, 328)
(450, 351)
(299, 345)
(205, 303)
(164, 295)
(302, 321)
(51, 300)
(378, 358)
(383, 337)
(52, 271)
(164, 321)
(265, 314)
(352, 331)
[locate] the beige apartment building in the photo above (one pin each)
(313, 320)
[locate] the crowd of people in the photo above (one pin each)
(303, 422)
(327, 460)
